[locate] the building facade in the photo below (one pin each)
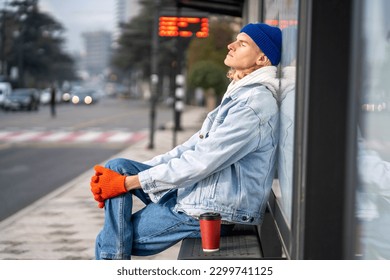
(98, 51)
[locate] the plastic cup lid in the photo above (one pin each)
(210, 216)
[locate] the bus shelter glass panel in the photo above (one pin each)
(284, 14)
(373, 155)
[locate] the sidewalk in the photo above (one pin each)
(63, 225)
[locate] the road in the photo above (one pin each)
(39, 153)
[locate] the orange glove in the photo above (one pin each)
(106, 184)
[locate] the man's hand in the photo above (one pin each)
(106, 184)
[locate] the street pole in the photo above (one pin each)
(2, 46)
(20, 60)
(3, 40)
(178, 104)
(154, 75)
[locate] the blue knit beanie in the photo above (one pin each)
(267, 38)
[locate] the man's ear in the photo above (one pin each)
(263, 60)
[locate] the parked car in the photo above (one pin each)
(374, 102)
(5, 90)
(22, 98)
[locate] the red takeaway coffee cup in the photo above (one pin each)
(210, 230)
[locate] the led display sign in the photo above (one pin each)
(170, 26)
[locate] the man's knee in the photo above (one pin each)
(116, 164)
(126, 166)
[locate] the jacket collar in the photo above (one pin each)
(265, 75)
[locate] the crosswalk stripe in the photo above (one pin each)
(88, 136)
(8, 134)
(71, 136)
(4, 133)
(103, 138)
(26, 136)
(120, 137)
(56, 136)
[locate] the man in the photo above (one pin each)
(227, 167)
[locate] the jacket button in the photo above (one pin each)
(201, 136)
(244, 218)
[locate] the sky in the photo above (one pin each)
(78, 16)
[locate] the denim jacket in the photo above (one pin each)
(229, 165)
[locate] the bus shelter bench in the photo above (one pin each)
(245, 242)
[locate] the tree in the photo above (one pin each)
(214, 47)
(211, 77)
(134, 46)
(205, 61)
(206, 74)
(33, 45)
(135, 42)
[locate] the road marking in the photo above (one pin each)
(55, 136)
(86, 136)
(26, 136)
(120, 137)
(4, 134)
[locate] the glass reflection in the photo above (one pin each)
(287, 115)
(284, 13)
(373, 157)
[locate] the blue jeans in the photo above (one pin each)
(149, 231)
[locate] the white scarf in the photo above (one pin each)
(265, 75)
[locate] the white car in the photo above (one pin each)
(5, 91)
(45, 97)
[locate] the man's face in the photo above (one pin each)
(243, 53)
